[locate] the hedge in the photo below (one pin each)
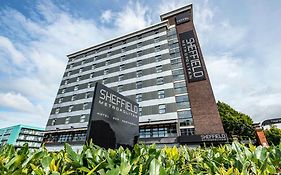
(233, 158)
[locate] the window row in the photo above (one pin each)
(110, 47)
(139, 84)
(120, 77)
(161, 94)
(168, 130)
(139, 63)
(70, 108)
(122, 58)
(67, 120)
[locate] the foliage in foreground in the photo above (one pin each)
(226, 159)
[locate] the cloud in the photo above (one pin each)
(132, 17)
(7, 47)
(106, 16)
(16, 101)
(38, 47)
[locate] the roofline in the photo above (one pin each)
(24, 126)
(117, 39)
(175, 12)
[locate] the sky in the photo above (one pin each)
(240, 41)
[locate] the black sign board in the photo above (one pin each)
(191, 56)
(208, 138)
(182, 18)
(114, 119)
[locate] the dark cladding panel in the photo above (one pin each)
(182, 18)
(191, 56)
(114, 119)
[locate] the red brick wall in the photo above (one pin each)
(203, 105)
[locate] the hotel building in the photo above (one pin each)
(161, 67)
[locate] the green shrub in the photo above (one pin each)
(226, 159)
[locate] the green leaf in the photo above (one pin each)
(154, 168)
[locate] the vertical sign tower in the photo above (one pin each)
(203, 105)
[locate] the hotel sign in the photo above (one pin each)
(191, 56)
(114, 119)
(213, 137)
(182, 18)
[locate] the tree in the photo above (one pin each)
(236, 123)
(273, 135)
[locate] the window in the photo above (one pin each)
(160, 80)
(138, 97)
(156, 40)
(108, 54)
(187, 131)
(66, 82)
(139, 62)
(107, 62)
(161, 94)
(139, 37)
(140, 110)
(73, 97)
(122, 58)
(78, 79)
(68, 73)
(93, 66)
(57, 111)
(159, 68)
(184, 114)
(182, 102)
(139, 73)
(80, 70)
(63, 91)
(87, 95)
(157, 48)
(139, 53)
(162, 109)
(123, 50)
(158, 58)
(85, 106)
(71, 66)
(70, 108)
(180, 87)
(90, 85)
(82, 118)
(66, 120)
(106, 71)
(53, 122)
(104, 81)
(139, 85)
(178, 74)
(76, 88)
(60, 100)
(83, 62)
(156, 32)
(139, 45)
(96, 58)
(186, 121)
(122, 67)
(120, 77)
(91, 75)
(120, 88)
(124, 42)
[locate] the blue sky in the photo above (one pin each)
(241, 44)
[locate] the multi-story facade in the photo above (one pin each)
(147, 66)
(20, 134)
